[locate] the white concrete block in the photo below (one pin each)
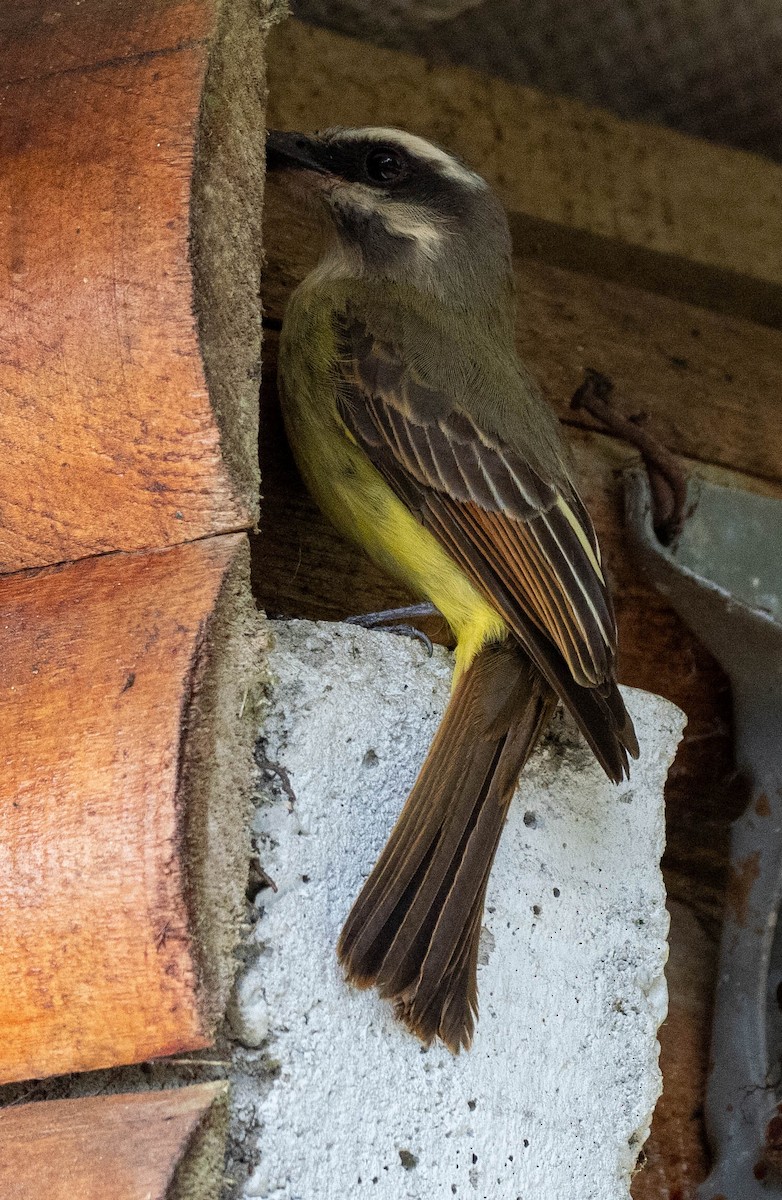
(554, 1100)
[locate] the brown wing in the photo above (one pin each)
(526, 543)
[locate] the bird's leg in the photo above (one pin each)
(379, 620)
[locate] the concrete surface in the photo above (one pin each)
(333, 1099)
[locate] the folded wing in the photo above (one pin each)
(525, 542)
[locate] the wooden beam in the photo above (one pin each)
(631, 202)
(149, 1146)
(129, 274)
(127, 710)
(36, 40)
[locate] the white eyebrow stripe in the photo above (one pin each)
(419, 146)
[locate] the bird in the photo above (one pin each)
(423, 438)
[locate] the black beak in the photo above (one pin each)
(294, 152)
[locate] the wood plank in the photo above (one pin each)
(126, 703)
(129, 313)
(37, 39)
(147, 1146)
(710, 384)
(713, 215)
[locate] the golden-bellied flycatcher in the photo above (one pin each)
(423, 438)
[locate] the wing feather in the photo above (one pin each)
(525, 541)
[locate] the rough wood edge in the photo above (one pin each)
(225, 230)
(189, 1122)
(200, 1173)
(173, 798)
(221, 716)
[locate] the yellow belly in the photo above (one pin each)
(358, 501)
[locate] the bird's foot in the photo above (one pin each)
(385, 619)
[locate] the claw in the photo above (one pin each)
(377, 620)
(418, 634)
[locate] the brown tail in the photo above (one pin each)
(413, 931)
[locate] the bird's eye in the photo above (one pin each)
(383, 165)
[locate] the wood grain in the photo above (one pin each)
(113, 436)
(558, 162)
(38, 38)
(133, 1147)
(115, 708)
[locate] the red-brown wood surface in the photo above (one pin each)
(38, 38)
(108, 436)
(97, 667)
(127, 1147)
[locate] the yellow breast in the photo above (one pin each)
(358, 501)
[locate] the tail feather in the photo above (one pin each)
(416, 858)
(414, 929)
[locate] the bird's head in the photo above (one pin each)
(402, 208)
